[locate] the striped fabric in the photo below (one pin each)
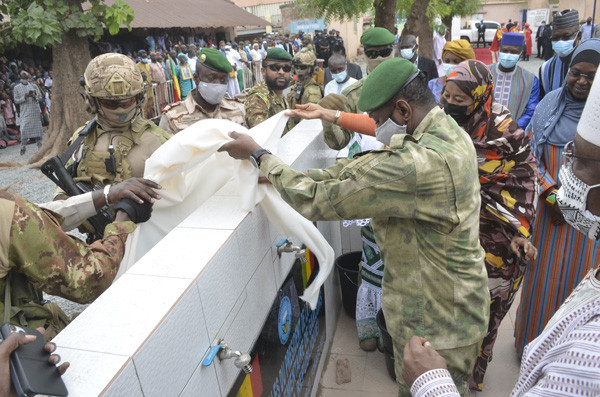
(552, 75)
(564, 257)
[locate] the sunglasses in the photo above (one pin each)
(301, 67)
(113, 104)
(384, 52)
(275, 67)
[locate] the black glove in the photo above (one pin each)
(138, 213)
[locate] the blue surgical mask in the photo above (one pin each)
(563, 47)
(146, 60)
(508, 61)
(448, 68)
(340, 77)
(407, 53)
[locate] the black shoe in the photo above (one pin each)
(23, 151)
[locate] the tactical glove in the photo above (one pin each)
(138, 213)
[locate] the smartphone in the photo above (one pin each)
(30, 371)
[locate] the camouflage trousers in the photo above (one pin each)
(459, 361)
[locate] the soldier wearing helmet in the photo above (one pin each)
(114, 93)
(121, 139)
(305, 89)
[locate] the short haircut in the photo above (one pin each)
(416, 92)
(336, 57)
(339, 49)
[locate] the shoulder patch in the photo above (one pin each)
(264, 98)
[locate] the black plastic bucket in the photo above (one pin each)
(388, 346)
(348, 265)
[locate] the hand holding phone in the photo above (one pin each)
(26, 362)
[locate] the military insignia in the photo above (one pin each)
(203, 58)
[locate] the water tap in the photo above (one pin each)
(286, 246)
(242, 360)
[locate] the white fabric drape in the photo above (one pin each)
(190, 171)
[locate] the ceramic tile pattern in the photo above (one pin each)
(371, 379)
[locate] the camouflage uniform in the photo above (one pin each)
(262, 103)
(337, 137)
(312, 94)
(182, 114)
(36, 254)
(423, 198)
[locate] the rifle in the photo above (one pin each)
(54, 168)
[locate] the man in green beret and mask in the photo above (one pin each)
(422, 195)
(378, 45)
(266, 99)
(208, 100)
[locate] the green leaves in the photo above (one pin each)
(335, 9)
(43, 22)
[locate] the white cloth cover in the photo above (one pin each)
(590, 118)
(190, 171)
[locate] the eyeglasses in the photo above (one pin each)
(275, 67)
(577, 75)
(384, 52)
(113, 104)
(568, 155)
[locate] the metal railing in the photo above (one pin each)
(158, 95)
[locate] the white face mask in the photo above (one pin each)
(572, 198)
(385, 131)
(212, 93)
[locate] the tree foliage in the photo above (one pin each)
(43, 22)
(443, 8)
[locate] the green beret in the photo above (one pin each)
(384, 82)
(376, 37)
(214, 59)
(278, 54)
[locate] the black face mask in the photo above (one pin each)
(457, 112)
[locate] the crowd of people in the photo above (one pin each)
(25, 98)
(467, 185)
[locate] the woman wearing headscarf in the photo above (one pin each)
(566, 254)
(507, 175)
(454, 52)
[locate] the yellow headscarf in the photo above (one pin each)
(461, 48)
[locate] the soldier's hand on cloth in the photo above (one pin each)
(528, 248)
(419, 357)
(11, 344)
(136, 189)
(241, 147)
(333, 101)
(137, 212)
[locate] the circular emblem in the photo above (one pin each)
(203, 58)
(284, 323)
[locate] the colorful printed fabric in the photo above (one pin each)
(507, 174)
(368, 299)
(436, 86)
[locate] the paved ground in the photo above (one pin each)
(369, 373)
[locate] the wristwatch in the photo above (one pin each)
(255, 157)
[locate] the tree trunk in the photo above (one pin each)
(417, 23)
(70, 59)
(385, 14)
(447, 22)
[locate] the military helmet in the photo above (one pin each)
(305, 57)
(113, 76)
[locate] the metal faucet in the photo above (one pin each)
(242, 360)
(286, 246)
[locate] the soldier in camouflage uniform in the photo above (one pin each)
(114, 92)
(377, 43)
(266, 99)
(37, 255)
(423, 197)
(305, 89)
(208, 101)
